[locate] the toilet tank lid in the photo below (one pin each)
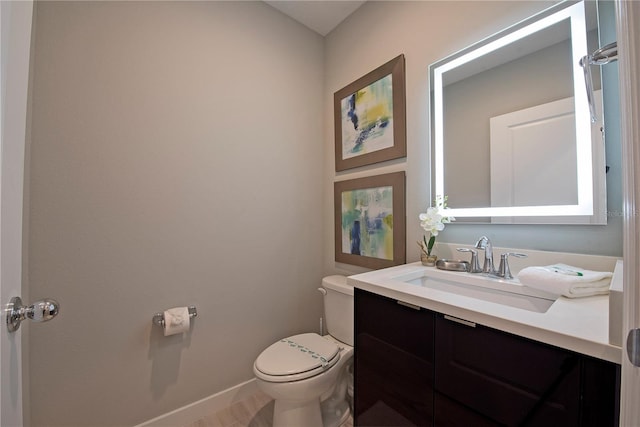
(337, 283)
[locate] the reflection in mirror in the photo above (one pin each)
(511, 131)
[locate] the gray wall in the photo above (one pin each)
(175, 159)
(182, 153)
(427, 32)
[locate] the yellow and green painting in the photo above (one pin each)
(367, 222)
(367, 119)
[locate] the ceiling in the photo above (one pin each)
(321, 16)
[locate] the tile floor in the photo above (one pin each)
(254, 411)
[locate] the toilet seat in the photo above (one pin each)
(296, 358)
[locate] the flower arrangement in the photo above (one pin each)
(433, 221)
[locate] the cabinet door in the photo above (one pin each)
(600, 393)
(508, 380)
(393, 363)
(449, 412)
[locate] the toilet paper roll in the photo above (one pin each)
(176, 321)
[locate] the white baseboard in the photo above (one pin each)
(209, 405)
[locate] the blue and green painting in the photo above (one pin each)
(367, 119)
(367, 222)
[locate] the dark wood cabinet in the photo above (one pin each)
(600, 399)
(421, 368)
(393, 363)
(507, 379)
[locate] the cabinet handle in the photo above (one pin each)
(461, 321)
(406, 304)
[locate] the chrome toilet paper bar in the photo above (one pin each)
(158, 318)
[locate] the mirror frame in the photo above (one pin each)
(575, 12)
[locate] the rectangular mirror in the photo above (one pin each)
(512, 139)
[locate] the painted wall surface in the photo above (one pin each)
(175, 160)
(426, 32)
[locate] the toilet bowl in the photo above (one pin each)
(308, 374)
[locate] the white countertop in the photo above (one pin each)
(577, 324)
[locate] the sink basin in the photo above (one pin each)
(486, 288)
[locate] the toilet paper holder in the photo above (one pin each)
(158, 318)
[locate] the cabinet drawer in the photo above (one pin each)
(398, 325)
(509, 379)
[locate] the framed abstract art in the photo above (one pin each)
(370, 220)
(370, 117)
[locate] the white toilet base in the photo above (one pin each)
(334, 414)
(295, 413)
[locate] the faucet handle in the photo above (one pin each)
(474, 266)
(504, 270)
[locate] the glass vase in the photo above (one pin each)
(428, 260)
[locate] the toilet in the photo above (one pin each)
(309, 375)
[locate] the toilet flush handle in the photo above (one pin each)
(323, 291)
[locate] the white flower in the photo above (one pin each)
(435, 218)
(433, 221)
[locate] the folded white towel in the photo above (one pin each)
(562, 279)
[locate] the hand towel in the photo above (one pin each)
(562, 279)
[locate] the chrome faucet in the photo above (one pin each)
(485, 244)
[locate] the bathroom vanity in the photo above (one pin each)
(429, 352)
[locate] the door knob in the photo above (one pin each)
(39, 311)
(633, 347)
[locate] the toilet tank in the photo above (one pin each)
(338, 308)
